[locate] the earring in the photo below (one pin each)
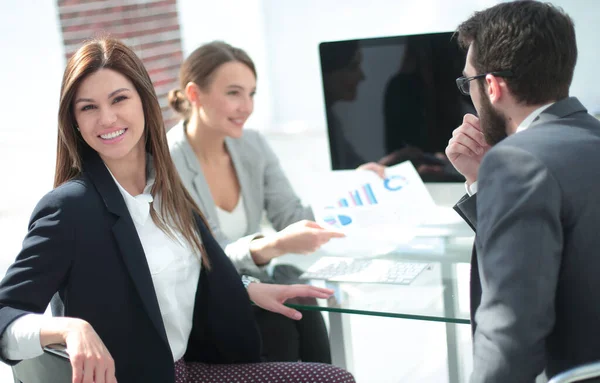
(77, 127)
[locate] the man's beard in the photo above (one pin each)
(493, 123)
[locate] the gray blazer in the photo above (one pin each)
(264, 187)
(537, 220)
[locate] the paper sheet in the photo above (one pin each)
(376, 214)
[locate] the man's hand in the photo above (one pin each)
(467, 147)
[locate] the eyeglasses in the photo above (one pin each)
(463, 82)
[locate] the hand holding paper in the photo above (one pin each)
(382, 212)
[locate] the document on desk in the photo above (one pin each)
(384, 212)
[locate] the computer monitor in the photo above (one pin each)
(393, 99)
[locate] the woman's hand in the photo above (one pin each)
(90, 360)
(271, 297)
(304, 237)
(374, 167)
(89, 357)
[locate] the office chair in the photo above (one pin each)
(578, 374)
(52, 366)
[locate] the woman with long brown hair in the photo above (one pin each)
(146, 293)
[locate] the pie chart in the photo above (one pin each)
(338, 220)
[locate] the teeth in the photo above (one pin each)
(113, 134)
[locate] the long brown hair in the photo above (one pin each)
(177, 207)
(199, 68)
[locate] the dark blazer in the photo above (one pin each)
(82, 243)
(537, 219)
(466, 207)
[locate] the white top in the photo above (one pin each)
(233, 224)
(522, 126)
(175, 271)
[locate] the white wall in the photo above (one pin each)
(237, 22)
(30, 74)
(281, 36)
(295, 29)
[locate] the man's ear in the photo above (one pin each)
(192, 92)
(495, 88)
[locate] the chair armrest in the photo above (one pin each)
(53, 365)
(58, 350)
(578, 374)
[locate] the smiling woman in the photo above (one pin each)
(106, 88)
(144, 292)
(110, 118)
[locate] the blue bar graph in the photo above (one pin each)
(370, 195)
(356, 198)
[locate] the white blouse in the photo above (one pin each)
(233, 224)
(174, 268)
(175, 271)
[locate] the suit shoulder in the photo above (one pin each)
(177, 146)
(69, 196)
(547, 140)
(175, 135)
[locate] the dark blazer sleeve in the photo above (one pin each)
(41, 266)
(466, 207)
(225, 330)
(519, 245)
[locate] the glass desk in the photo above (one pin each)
(440, 293)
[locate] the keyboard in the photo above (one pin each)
(342, 269)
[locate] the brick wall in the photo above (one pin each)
(150, 27)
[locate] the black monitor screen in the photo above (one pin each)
(394, 99)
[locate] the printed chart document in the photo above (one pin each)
(377, 215)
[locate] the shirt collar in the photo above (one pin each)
(532, 116)
(139, 206)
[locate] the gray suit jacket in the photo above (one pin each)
(537, 245)
(263, 184)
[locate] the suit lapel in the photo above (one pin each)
(466, 207)
(246, 175)
(206, 202)
(244, 167)
(127, 238)
(475, 288)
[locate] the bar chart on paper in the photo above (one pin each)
(357, 200)
(370, 194)
(337, 220)
(375, 214)
(359, 197)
